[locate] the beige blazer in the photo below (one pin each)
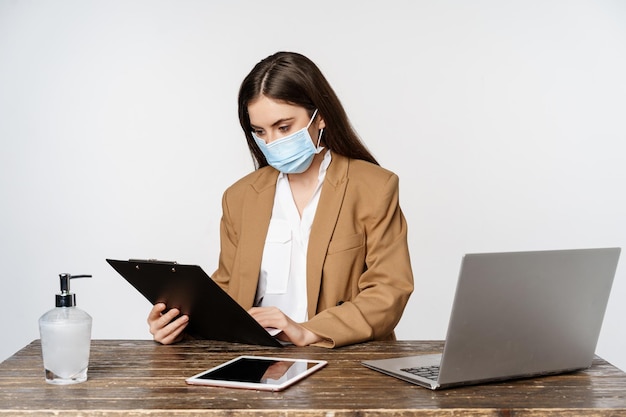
(359, 274)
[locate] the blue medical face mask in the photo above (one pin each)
(292, 154)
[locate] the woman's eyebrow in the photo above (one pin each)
(276, 123)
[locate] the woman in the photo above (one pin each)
(313, 242)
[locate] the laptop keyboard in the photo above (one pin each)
(428, 372)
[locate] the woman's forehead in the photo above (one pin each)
(266, 111)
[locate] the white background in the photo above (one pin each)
(506, 122)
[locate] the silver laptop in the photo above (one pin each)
(517, 315)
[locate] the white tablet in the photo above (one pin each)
(257, 372)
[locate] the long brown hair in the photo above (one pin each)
(293, 78)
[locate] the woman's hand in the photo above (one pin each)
(291, 331)
(163, 329)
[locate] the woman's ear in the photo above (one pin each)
(321, 124)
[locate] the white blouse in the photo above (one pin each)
(282, 279)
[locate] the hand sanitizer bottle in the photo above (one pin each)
(65, 338)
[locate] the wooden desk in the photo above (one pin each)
(143, 378)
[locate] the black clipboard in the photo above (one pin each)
(213, 314)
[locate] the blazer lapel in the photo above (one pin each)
(257, 206)
(326, 216)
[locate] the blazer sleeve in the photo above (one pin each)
(228, 246)
(381, 275)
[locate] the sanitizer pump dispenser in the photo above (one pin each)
(65, 337)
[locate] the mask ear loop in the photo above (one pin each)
(319, 138)
(312, 118)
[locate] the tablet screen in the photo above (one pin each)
(257, 372)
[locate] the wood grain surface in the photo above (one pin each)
(143, 378)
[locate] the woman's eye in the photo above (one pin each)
(258, 132)
(284, 129)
